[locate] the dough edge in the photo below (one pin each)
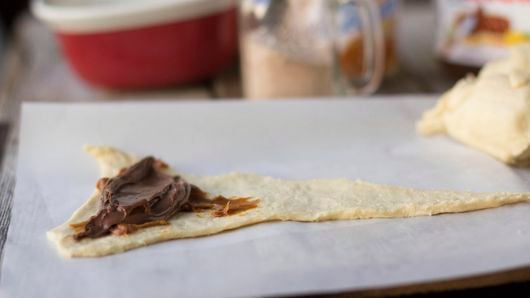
(189, 225)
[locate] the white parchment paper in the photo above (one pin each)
(369, 139)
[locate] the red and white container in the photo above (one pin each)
(130, 44)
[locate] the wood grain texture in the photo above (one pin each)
(7, 185)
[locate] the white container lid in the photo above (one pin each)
(86, 16)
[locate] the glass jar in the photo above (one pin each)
(306, 48)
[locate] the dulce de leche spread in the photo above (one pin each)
(144, 195)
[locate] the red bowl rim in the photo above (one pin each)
(116, 15)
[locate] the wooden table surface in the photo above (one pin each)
(34, 70)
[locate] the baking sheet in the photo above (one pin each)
(371, 139)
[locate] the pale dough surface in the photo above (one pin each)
(296, 200)
(490, 112)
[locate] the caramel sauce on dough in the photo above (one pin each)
(143, 196)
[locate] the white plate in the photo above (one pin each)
(369, 139)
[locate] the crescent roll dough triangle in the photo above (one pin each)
(295, 200)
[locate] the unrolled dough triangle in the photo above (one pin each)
(307, 200)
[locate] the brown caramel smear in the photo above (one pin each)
(143, 195)
(124, 229)
(78, 227)
(220, 205)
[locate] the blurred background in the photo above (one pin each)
(277, 51)
(65, 50)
